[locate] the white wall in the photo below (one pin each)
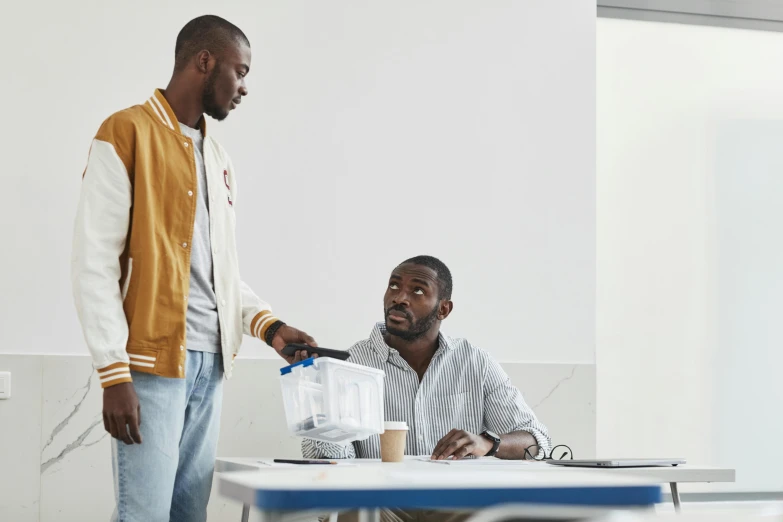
(689, 144)
(373, 132)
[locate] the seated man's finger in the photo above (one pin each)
(455, 446)
(440, 447)
(447, 440)
(309, 340)
(450, 450)
(465, 451)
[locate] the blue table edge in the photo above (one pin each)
(311, 499)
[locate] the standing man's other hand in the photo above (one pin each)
(122, 413)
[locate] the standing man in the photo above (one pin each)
(156, 278)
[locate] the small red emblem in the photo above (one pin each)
(225, 179)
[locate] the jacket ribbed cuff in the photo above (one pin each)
(261, 323)
(113, 374)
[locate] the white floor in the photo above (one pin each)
(719, 511)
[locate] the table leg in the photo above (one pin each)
(245, 513)
(369, 515)
(675, 496)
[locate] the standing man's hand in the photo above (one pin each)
(122, 413)
(288, 335)
(460, 444)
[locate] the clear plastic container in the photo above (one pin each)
(333, 401)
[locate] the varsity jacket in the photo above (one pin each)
(130, 266)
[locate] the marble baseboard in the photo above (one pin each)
(61, 456)
(75, 448)
(20, 439)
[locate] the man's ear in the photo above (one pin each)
(446, 307)
(202, 61)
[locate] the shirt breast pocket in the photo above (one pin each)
(457, 411)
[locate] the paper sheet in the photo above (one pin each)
(489, 462)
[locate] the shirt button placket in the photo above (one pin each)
(417, 425)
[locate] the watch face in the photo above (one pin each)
(491, 435)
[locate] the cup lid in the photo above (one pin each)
(395, 426)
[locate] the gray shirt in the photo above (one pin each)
(203, 328)
(463, 388)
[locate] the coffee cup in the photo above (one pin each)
(393, 441)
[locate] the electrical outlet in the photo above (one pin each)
(5, 385)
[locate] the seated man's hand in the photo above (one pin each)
(459, 444)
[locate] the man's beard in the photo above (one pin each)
(417, 328)
(208, 101)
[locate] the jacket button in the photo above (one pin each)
(186, 144)
(182, 349)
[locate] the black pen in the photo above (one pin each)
(306, 461)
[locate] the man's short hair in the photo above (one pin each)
(440, 268)
(208, 32)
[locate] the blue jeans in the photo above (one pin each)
(168, 477)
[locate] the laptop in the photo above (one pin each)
(617, 463)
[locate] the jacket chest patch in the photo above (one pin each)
(228, 187)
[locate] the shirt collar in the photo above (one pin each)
(384, 350)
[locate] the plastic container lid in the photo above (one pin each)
(303, 364)
(395, 426)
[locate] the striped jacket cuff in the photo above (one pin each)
(261, 323)
(116, 373)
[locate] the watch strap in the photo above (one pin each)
(495, 443)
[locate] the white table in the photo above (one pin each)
(672, 475)
(676, 474)
(368, 486)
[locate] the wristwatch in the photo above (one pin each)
(495, 439)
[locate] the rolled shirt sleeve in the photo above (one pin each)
(505, 410)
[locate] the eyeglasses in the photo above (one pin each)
(559, 452)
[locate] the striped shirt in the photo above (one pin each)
(463, 388)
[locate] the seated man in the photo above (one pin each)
(455, 397)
